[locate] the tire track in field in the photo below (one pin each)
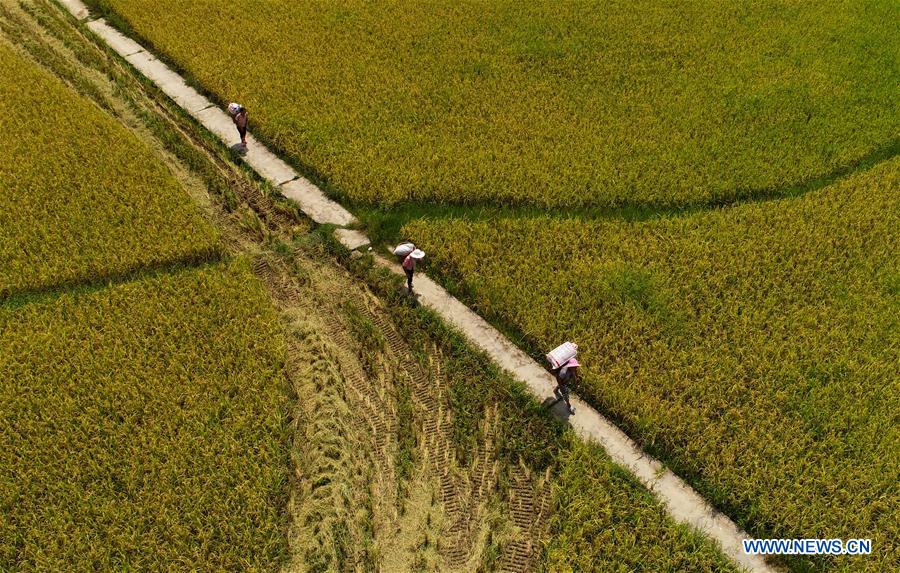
(529, 508)
(356, 420)
(375, 415)
(323, 466)
(465, 495)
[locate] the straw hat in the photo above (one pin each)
(418, 254)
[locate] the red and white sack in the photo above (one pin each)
(404, 249)
(562, 354)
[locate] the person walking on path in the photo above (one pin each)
(240, 118)
(567, 374)
(409, 266)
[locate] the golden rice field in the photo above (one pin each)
(574, 103)
(81, 197)
(754, 347)
(144, 427)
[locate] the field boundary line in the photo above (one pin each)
(89, 283)
(680, 501)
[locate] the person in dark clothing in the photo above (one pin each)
(241, 118)
(566, 375)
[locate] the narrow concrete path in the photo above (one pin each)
(680, 500)
(310, 198)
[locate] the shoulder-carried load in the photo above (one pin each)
(404, 249)
(562, 354)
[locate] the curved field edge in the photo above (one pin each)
(145, 427)
(597, 105)
(81, 198)
(754, 348)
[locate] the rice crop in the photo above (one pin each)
(573, 103)
(601, 519)
(755, 348)
(606, 521)
(81, 198)
(144, 428)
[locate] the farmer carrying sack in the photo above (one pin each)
(562, 354)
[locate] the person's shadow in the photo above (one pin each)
(239, 149)
(412, 296)
(558, 409)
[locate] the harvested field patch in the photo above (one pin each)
(488, 465)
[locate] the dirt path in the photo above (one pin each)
(681, 501)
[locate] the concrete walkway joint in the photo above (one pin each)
(680, 500)
(351, 238)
